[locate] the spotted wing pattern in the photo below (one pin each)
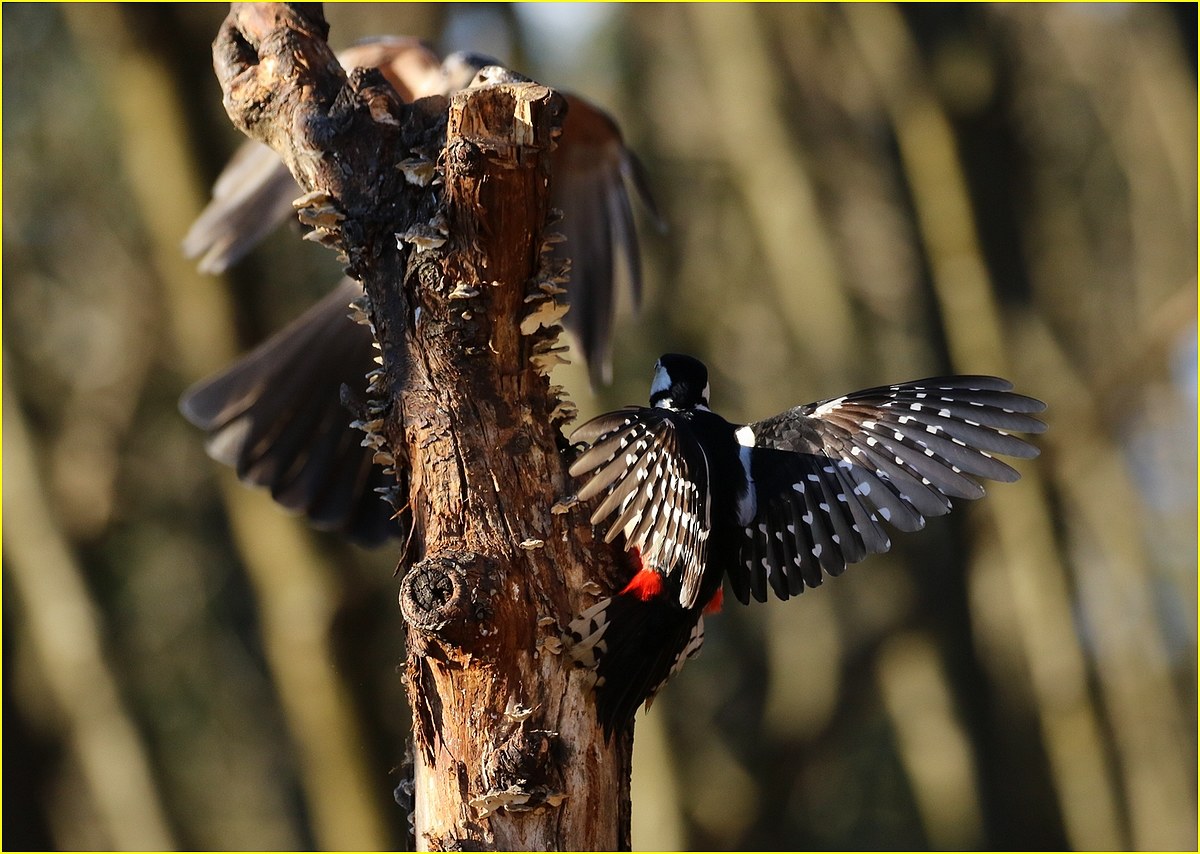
(653, 475)
(827, 475)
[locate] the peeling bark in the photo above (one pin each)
(461, 296)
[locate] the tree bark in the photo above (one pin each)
(439, 208)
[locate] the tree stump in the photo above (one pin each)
(440, 209)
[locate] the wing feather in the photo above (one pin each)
(653, 477)
(276, 416)
(592, 170)
(827, 475)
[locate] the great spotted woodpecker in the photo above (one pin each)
(771, 505)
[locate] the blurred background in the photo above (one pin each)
(856, 194)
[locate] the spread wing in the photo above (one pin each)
(828, 474)
(653, 475)
(592, 171)
(276, 416)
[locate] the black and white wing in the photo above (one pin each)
(654, 477)
(828, 474)
(276, 416)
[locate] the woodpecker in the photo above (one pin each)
(772, 505)
(276, 414)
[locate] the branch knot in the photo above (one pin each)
(441, 595)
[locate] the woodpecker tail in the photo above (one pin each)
(633, 644)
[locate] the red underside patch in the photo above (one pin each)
(715, 603)
(645, 585)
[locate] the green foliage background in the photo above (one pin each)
(856, 194)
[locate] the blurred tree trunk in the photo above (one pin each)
(507, 753)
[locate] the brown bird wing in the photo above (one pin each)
(592, 171)
(276, 416)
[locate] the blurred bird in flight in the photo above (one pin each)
(276, 414)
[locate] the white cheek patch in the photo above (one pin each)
(745, 437)
(662, 380)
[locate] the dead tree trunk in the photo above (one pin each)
(507, 752)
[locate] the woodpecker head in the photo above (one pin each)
(680, 382)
